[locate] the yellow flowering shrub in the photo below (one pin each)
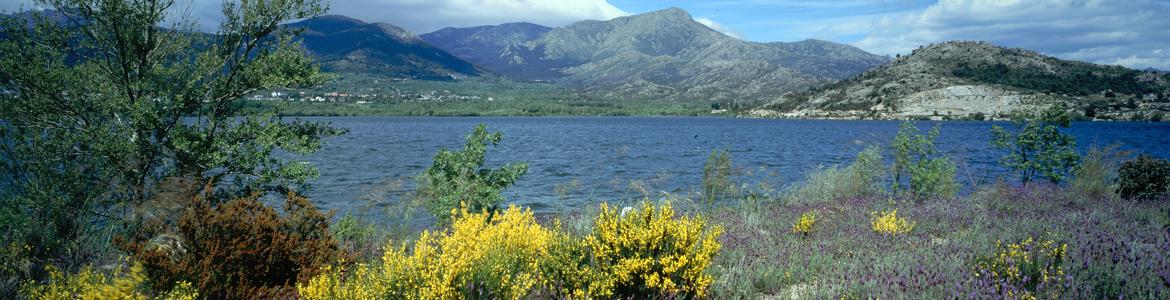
(89, 284)
(805, 224)
(650, 252)
(1025, 270)
(887, 222)
(647, 253)
(480, 256)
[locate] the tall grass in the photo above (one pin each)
(1096, 177)
(860, 179)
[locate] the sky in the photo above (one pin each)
(1132, 33)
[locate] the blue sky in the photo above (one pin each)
(1132, 33)
(777, 20)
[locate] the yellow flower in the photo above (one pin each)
(1029, 260)
(509, 255)
(887, 222)
(89, 284)
(805, 224)
(444, 263)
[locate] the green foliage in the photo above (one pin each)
(1074, 79)
(238, 249)
(717, 181)
(458, 178)
(119, 96)
(1144, 178)
(860, 179)
(1036, 146)
(928, 174)
(1157, 116)
(355, 236)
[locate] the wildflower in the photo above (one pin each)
(887, 222)
(805, 224)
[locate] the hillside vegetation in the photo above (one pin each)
(981, 80)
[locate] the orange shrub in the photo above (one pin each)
(240, 248)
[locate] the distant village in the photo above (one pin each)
(365, 98)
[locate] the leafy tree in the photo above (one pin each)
(458, 178)
(927, 173)
(111, 100)
(1144, 178)
(1036, 146)
(717, 176)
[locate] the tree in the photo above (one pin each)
(113, 100)
(915, 157)
(1036, 146)
(458, 178)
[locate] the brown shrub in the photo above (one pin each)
(238, 249)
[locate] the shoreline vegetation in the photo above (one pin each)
(582, 109)
(112, 192)
(366, 95)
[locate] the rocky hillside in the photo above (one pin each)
(347, 45)
(483, 45)
(667, 55)
(980, 80)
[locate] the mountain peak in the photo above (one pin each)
(397, 32)
(673, 12)
(328, 24)
(340, 18)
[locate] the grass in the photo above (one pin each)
(843, 257)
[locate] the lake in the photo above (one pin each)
(575, 161)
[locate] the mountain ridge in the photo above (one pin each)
(973, 79)
(347, 45)
(666, 54)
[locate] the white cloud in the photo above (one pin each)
(719, 27)
(422, 16)
(1133, 33)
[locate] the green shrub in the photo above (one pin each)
(860, 179)
(458, 178)
(1037, 147)
(929, 175)
(355, 236)
(717, 182)
(238, 249)
(1144, 178)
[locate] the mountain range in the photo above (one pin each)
(659, 55)
(667, 55)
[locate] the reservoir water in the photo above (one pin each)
(576, 161)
